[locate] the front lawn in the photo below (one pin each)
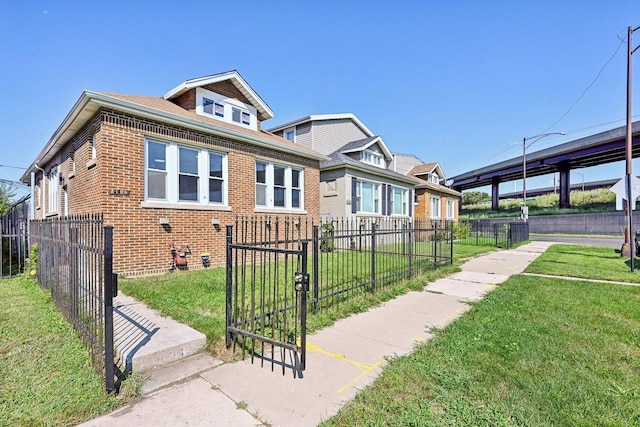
(46, 376)
(535, 352)
(587, 262)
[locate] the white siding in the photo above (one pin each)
(405, 162)
(303, 135)
(329, 135)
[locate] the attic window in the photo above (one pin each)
(372, 158)
(434, 178)
(290, 134)
(226, 109)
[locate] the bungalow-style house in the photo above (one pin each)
(434, 201)
(175, 168)
(358, 179)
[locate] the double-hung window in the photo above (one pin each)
(399, 204)
(450, 209)
(367, 197)
(53, 190)
(278, 186)
(188, 175)
(178, 174)
(435, 207)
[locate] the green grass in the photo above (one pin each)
(46, 376)
(587, 262)
(589, 201)
(534, 352)
(197, 298)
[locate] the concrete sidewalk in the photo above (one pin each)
(341, 359)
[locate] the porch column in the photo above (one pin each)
(565, 185)
(495, 193)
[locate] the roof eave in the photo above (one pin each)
(238, 81)
(381, 173)
(83, 110)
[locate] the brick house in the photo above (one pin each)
(173, 168)
(358, 180)
(433, 200)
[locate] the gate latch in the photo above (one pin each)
(301, 281)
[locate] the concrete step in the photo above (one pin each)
(180, 370)
(145, 340)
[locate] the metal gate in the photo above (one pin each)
(267, 285)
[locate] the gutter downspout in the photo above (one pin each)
(33, 191)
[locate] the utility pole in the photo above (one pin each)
(628, 248)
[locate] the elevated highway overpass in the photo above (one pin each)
(604, 147)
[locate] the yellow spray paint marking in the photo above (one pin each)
(454, 314)
(365, 369)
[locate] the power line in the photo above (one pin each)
(13, 167)
(584, 92)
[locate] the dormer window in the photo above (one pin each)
(229, 110)
(372, 158)
(290, 134)
(434, 178)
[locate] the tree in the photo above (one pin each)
(6, 194)
(475, 197)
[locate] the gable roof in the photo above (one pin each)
(426, 168)
(160, 109)
(264, 112)
(323, 117)
(339, 160)
(363, 144)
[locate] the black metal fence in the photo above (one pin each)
(269, 291)
(75, 263)
(502, 234)
(353, 256)
(13, 239)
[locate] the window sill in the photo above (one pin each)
(91, 163)
(183, 206)
(280, 211)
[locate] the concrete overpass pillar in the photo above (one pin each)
(565, 185)
(495, 194)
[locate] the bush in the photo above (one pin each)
(461, 230)
(326, 240)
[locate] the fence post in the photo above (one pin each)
(409, 241)
(108, 308)
(373, 257)
(435, 243)
(451, 240)
(316, 260)
(229, 283)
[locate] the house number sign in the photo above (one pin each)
(118, 192)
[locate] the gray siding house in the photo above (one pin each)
(358, 180)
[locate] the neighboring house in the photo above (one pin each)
(358, 180)
(403, 163)
(177, 168)
(433, 200)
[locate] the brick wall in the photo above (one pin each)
(141, 242)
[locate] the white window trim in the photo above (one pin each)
(374, 156)
(270, 184)
(439, 207)
(228, 104)
(171, 201)
(377, 209)
(53, 193)
(405, 201)
(450, 212)
(286, 131)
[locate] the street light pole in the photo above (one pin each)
(629, 156)
(535, 138)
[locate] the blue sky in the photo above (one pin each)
(457, 82)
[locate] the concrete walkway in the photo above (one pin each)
(341, 359)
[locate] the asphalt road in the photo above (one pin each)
(612, 242)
